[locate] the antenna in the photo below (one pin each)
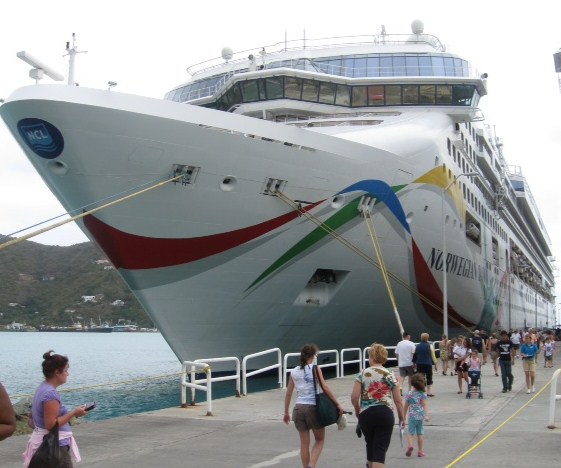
(72, 51)
(39, 68)
(557, 62)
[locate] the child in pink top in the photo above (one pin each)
(473, 361)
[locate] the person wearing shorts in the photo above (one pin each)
(404, 352)
(304, 413)
(528, 352)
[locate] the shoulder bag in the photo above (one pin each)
(325, 406)
(48, 454)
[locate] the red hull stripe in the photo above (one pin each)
(428, 287)
(133, 252)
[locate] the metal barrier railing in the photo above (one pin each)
(358, 361)
(246, 374)
(281, 364)
(553, 397)
(186, 384)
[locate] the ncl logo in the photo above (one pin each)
(42, 137)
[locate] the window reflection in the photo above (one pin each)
(359, 96)
(338, 94)
(343, 96)
(327, 93)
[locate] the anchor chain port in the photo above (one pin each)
(188, 173)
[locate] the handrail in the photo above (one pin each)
(235, 377)
(285, 367)
(358, 361)
(311, 44)
(553, 397)
(331, 364)
(246, 374)
(184, 383)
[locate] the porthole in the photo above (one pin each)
(58, 167)
(228, 183)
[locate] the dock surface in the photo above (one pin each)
(248, 432)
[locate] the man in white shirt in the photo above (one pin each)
(404, 353)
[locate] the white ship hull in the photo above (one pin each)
(224, 269)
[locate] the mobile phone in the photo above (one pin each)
(90, 406)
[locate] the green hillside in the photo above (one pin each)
(44, 285)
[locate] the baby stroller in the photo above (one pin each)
(474, 385)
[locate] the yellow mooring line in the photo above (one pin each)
(498, 428)
(86, 213)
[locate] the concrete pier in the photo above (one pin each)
(248, 432)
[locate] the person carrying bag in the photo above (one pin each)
(305, 413)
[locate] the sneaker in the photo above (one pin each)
(510, 388)
(504, 390)
(421, 453)
(533, 389)
(528, 391)
(409, 451)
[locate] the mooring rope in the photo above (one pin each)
(93, 210)
(204, 370)
(372, 231)
(296, 206)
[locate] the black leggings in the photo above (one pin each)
(377, 423)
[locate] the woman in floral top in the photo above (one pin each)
(374, 393)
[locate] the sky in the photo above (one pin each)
(146, 47)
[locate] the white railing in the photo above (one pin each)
(358, 361)
(335, 364)
(553, 397)
(203, 365)
(185, 383)
(246, 374)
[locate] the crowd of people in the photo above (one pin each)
(378, 396)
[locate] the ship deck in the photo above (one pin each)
(248, 432)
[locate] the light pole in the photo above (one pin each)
(445, 254)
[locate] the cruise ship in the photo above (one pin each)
(335, 191)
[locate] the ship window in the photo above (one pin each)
(443, 94)
(425, 66)
(393, 95)
(327, 93)
(359, 96)
(427, 94)
(250, 91)
(360, 67)
(449, 66)
(462, 95)
(376, 95)
(234, 95)
(438, 66)
(347, 66)
(412, 63)
(399, 66)
(410, 94)
(274, 87)
(310, 90)
(373, 64)
(343, 97)
(386, 68)
(293, 88)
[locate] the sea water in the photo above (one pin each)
(124, 373)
